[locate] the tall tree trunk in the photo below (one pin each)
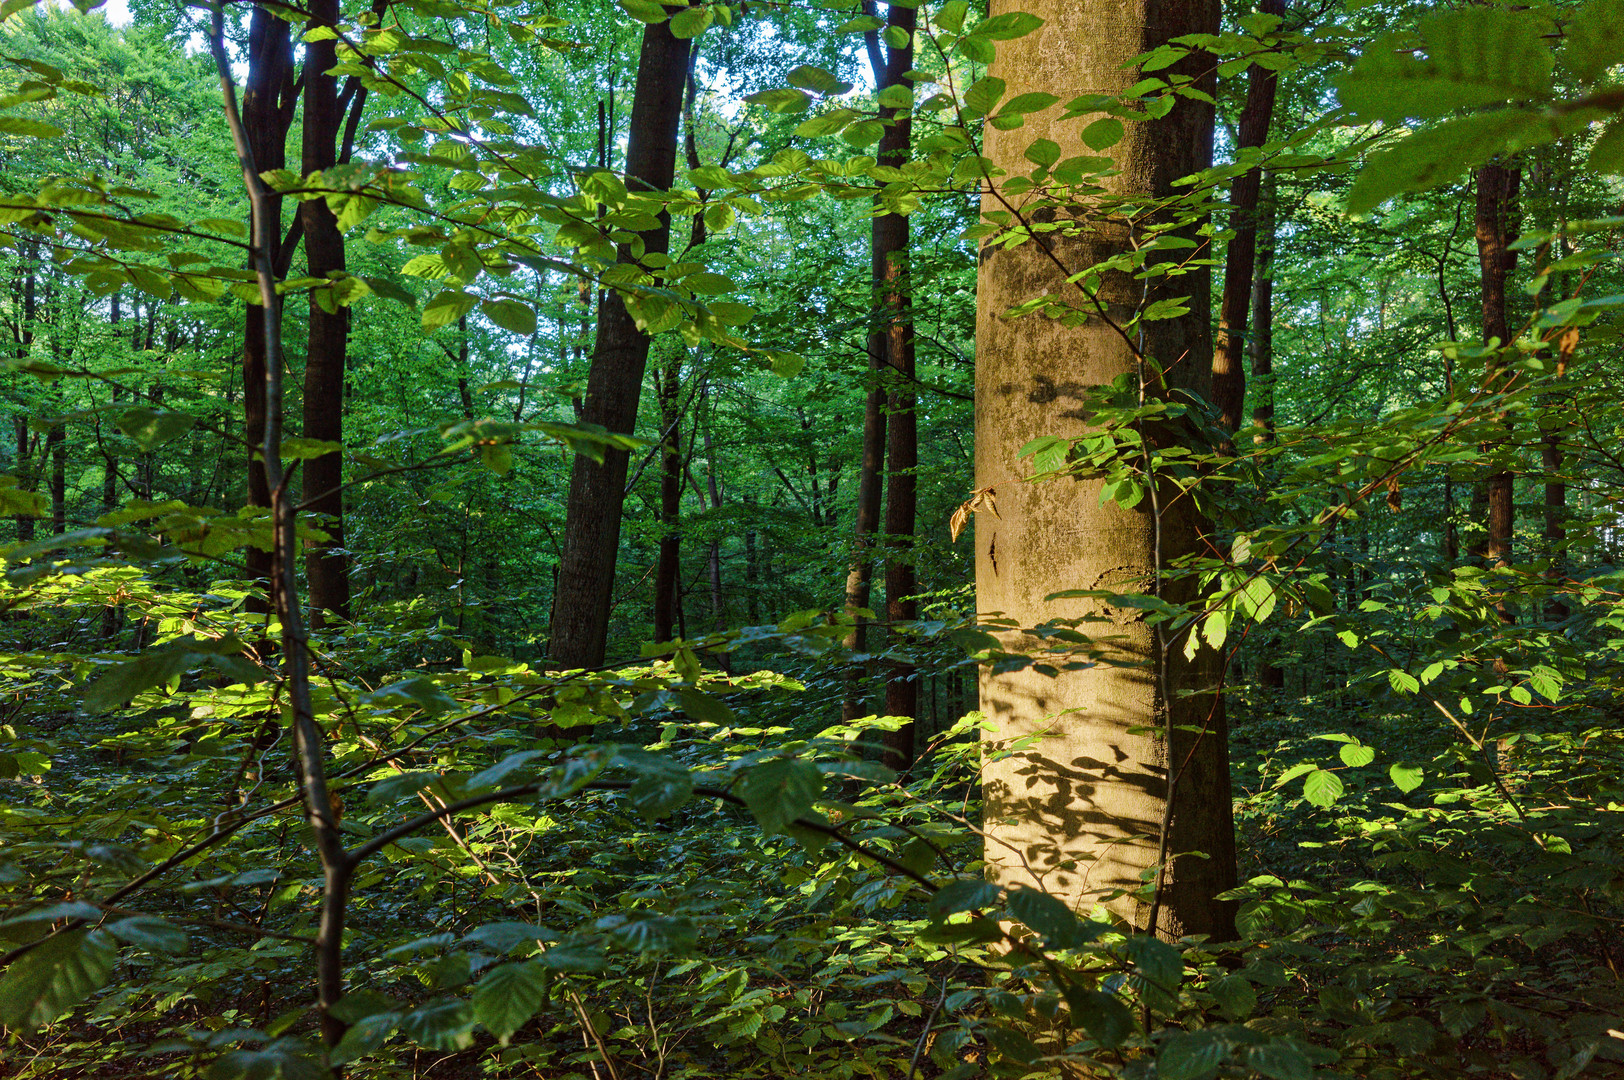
(667, 572)
(1497, 186)
(714, 555)
(592, 519)
(1228, 357)
(23, 344)
(1270, 674)
(267, 109)
(871, 469)
(752, 575)
(56, 450)
(1556, 492)
(890, 239)
(668, 389)
(327, 564)
(1135, 759)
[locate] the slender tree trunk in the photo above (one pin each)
(890, 240)
(667, 586)
(1228, 357)
(1556, 493)
(752, 576)
(714, 555)
(56, 450)
(23, 344)
(327, 564)
(1134, 765)
(592, 519)
(870, 487)
(267, 103)
(1497, 186)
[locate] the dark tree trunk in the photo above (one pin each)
(667, 586)
(1228, 357)
(714, 556)
(870, 486)
(267, 109)
(1556, 493)
(56, 450)
(890, 240)
(1496, 204)
(327, 564)
(752, 576)
(23, 343)
(592, 520)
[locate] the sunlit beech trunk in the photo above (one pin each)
(1081, 813)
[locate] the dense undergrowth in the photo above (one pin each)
(643, 902)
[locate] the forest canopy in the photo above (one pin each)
(834, 539)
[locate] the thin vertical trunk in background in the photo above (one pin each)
(586, 576)
(56, 451)
(714, 555)
(1122, 772)
(668, 390)
(267, 112)
(1556, 491)
(871, 469)
(1228, 357)
(327, 564)
(1270, 674)
(1497, 187)
(667, 571)
(890, 264)
(22, 337)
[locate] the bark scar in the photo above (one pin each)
(992, 552)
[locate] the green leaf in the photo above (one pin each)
(815, 79)
(1189, 1055)
(447, 307)
(1006, 27)
(1104, 1016)
(963, 894)
(124, 681)
(651, 933)
(646, 11)
(511, 315)
(706, 283)
(782, 100)
(1045, 914)
(397, 787)
(509, 995)
(500, 773)
(1157, 961)
(1403, 681)
(1103, 134)
(1043, 152)
(152, 428)
(1439, 154)
(53, 977)
(786, 364)
(662, 785)
(1470, 57)
(691, 22)
(150, 933)
(1323, 787)
(1356, 755)
(29, 129)
(442, 1025)
(1607, 153)
(301, 449)
(1593, 40)
(284, 1059)
(503, 937)
(1236, 996)
(1406, 777)
(1027, 103)
(779, 791)
(1281, 1059)
(983, 95)
(896, 97)
(417, 690)
(949, 17)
